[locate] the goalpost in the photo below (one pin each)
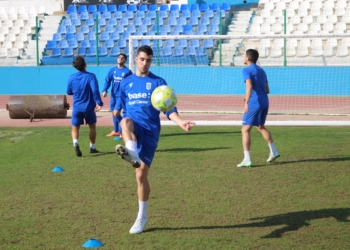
(309, 76)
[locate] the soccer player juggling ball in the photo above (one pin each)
(87, 101)
(256, 106)
(141, 127)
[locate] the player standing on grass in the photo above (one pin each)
(114, 77)
(256, 106)
(141, 127)
(86, 102)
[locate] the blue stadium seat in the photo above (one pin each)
(175, 13)
(57, 37)
(194, 7)
(143, 7)
(209, 14)
(73, 15)
(152, 14)
(132, 7)
(184, 7)
(109, 44)
(85, 44)
(93, 44)
(131, 28)
(102, 22)
(56, 52)
(126, 51)
(102, 51)
(82, 8)
(166, 51)
(118, 15)
(150, 33)
(68, 52)
(147, 21)
(104, 36)
(109, 28)
(71, 29)
(79, 36)
(51, 45)
(182, 43)
(120, 29)
(137, 21)
(91, 52)
(166, 28)
(115, 35)
(112, 21)
(164, 7)
(186, 14)
(84, 16)
(172, 21)
(62, 29)
(194, 43)
(124, 21)
(135, 43)
(204, 7)
(199, 33)
(67, 22)
(205, 21)
(73, 44)
(112, 8)
(194, 21)
(174, 33)
(201, 51)
(107, 15)
(143, 29)
(129, 15)
(196, 13)
(208, 43)
(76, 22)
(102, 8)
(145, 42)
(90, 22)
(223, 14)
(122, 7)
(212, 33)
(178, 28)
(188, 27)
(140, 14)
(92, 8)
(170, 43)
(139, 33)
(163, 14)
(225, 6)
(115, 51)
(84, 29)
(94, 29)
(91, 36)
(122, 43)
(71, 8)
(160, 21)
(70, 36)
(174, 7)
(178, 51)
(188, 33)
(215, 6)
(153, 7)
(214, 28)
(216, 21)
(126, 35)
(182, 20)
(96, 14)
(190, 51)
(81, 51)
(203, 28)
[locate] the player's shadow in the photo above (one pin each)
(288, 222)
(200, 133)
(331, 159)
(101, 154)
(181, 150)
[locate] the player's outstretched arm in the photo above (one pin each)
(185, 125)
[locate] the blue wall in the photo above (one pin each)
(332, 81)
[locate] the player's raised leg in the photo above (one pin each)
(143, 191)
(246, 141)
(268, 138)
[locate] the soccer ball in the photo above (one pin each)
(164, 98)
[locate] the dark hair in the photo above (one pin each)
(79, 63)
(253, 55)
(122, 54)
(145, 48)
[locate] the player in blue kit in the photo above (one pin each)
(256, 106)
(141, 127)
(86, 102)
(114, 77)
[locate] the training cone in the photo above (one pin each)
(93, 243)
(117, 138)
(57, 169)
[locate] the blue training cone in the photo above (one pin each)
(57, 169)
(117, 138)
(93, 243)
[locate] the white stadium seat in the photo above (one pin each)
(341, 4)
(315, 12)
(316, 5)
(12, 16)
(340, 28)
(339, 11)
(302, 51)
(328, 4)
(265, 28)
(23, 37)
(315, 28)
(332, 19)
(290, 51)
(294, 20)
(290, 12)
(328, 51)
(328, 27)
(258, 20)
(3, 52)
(11, 10)
(316, 51)
(321, 19)
(345, 42)
(277, 13)
(269, 6)
(266, 13)
(7, 44)
(303, 27)
(293, 5)
(327, 11)
(21, 10)
(308, 19)
(342, 51)
(303, 12)
(304, 5)
(346, 18)
(278, 43)
(280, 6)
(270, 20)
(14, 52)
(275, 52)
(316, 42)
(11, 37)
(15, 30)
(277, 28)
(291, 42)
(332, 42)
(305, 42)
(18, 45)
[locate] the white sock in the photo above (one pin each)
(75, 142)
(92, 146)
(246, 156)
(142, 210)
(272, 148)
(132, 145)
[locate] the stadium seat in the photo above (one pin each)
(131, 29)
(305, 42)
(328, 51)
(201, 51)
(340, 28)
(67, 22)
(170, 43)
(115, 35)
(153, 7)
(196, 13)
(137, 21)
(3, 53)
(140, 14)
(68, 52)
(275, 52)
(129, 15)
(209, 43)
(118, 15)
(102, 51)
(215, 6)
(112, 8)
(202, 28)
(172, 21)
(135, 44)
(178, 28)
(122, 7)
(94, 29)
(102, 8)
(71, 8)
(302, 51)
(92, 8)
(85, 44)
(165, 28)
(143, 29)
(132, 7)
(109, 44)
(194, 43)
(73, 44)
(182, 43)
(190, 51)
(184, 7)
(104, 36)
(109, 28)
(62, 29)
(225, 6)
(316, 51)
(82, 8)
(178, 51)
(186, 14)
(49, 46)
(56, 52)
(205, 21)
(122, 43)
(143, 7)
(63, 44)
(146, 42)
(166, 51)
(151, 14)
(76, 22)
(188, 27)
(8, 44)
(163, 14)
(126, 35)
(71, 29)
(126, 51)
(174, 7)
(70, 36)
(124, 21)
(115, 51)
(107, 15)
(84, 16)
(93, 44)
(175, 13)
(188, 33)
(147, 21)
(91, 52)
(57, 37)
(119, 28)
(164, 7)
(79, 36)
(193, 21)
(112, 21)
(315, 12)
(204, 7)
(345, 42)
(72, 15)
(291, 51)
(81, 51)
(194, 6)
(209, 14)
(96, 14)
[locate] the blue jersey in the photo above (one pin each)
(135, 95)
(258, 77)
(85, 90)
(114, 77)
